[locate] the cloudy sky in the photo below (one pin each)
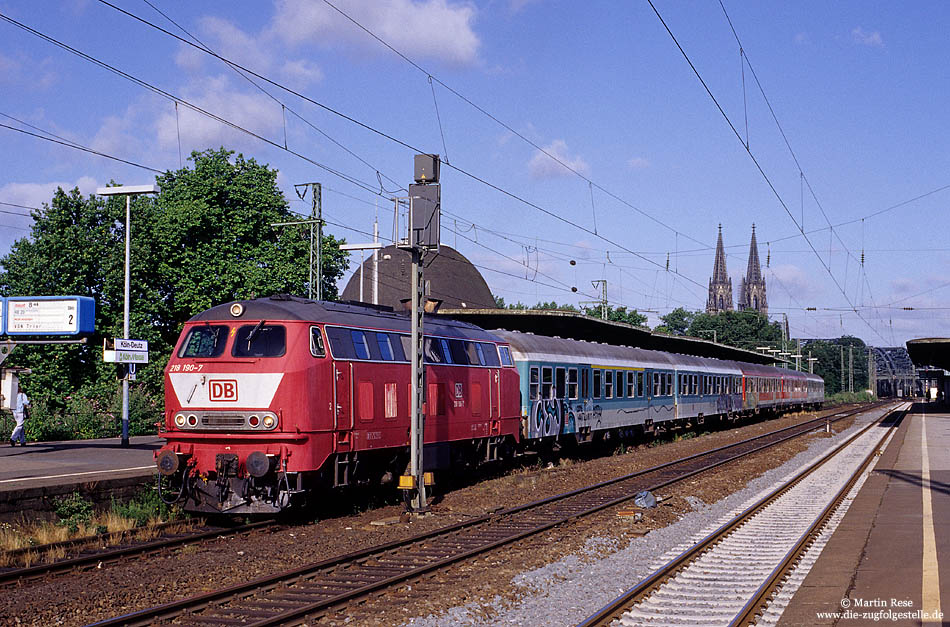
(575, 132)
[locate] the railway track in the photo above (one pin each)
(293, 596)
(731, 576)
(95, 558)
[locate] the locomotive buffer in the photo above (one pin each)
(421, 211)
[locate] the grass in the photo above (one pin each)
(77, 518)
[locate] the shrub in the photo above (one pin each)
(73, 510)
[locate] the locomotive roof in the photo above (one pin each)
(282, 307)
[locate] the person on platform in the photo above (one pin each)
(21, 411)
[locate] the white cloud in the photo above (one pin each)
(638, 163)
(251, 110)
(29, 73)
(35, 194)
(435, 29)
(301, 73)
(866, 38)
(543, 166)
(795, 281)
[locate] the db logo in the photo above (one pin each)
(458, 390)
(223, 390)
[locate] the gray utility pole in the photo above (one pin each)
(424, 204)
(602, 284)
(316, 219)
(841, 348)
(128, 191)
(851, 369)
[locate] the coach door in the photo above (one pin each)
(343, 395)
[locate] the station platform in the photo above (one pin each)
(888, 562)
(33, 476)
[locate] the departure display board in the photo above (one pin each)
(49, 315)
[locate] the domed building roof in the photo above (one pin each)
(449, 278)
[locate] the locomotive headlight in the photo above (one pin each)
(269, 422)
(192, 420)
(180, 420)
(254, 420)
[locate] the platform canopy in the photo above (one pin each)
(577, 326)
(930, 351)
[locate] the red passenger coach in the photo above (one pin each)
(271, 401)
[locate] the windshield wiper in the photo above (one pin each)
(254, 332)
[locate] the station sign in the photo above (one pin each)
(125, 351)
(49, 315)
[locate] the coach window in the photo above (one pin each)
(608, 384)
(547, 382)
(385, 346)
(597, 383)
(656, 384)
(204, 341)
(317, 348)
(533, 378)
(572, 383)
(669, 384)
(695, 384)
(620, 386)
(631, 384)
(260, 340)
(560, 383)
(640, 389)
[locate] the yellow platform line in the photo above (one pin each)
(931, 573)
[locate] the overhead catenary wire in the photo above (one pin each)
(758, 166)
(325, 107)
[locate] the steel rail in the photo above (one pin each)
(498, 538)
(616, 608)
(762, 595)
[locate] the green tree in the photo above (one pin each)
(206, 238)
(617, 314)
(743, 329)
(677, 322)
(828, 354)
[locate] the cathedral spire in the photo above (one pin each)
(720, 285)
(752, 290)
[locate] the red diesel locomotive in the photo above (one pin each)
(268, 401)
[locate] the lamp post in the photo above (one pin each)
(128, 191)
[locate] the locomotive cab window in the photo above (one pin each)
(260, 340)
(505, 354)
(204, 341)
(317, 348)
(360, 346)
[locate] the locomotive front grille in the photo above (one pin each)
(218, 420)
(227, 421)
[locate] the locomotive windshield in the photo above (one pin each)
(204, 341)
(260, 340)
